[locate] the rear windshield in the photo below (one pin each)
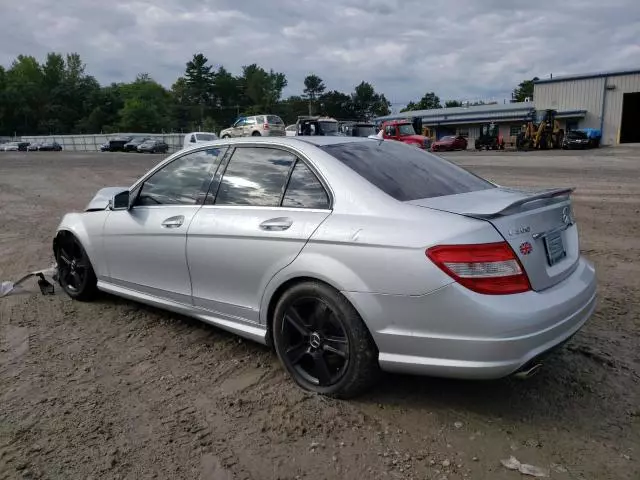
(406, 172)
(205, 137)
(274, 120)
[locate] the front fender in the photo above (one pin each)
(87, 228)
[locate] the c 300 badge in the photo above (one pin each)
(526, 248)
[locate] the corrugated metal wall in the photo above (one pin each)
(613, 105)
(583, 94)
(586, 94)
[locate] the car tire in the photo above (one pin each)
(256, 134)
(75, 272)
(226, 136)
(322, 342)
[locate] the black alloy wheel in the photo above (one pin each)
(76, 275)
(316, 344)
(322, 341)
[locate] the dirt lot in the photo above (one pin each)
(113, 389)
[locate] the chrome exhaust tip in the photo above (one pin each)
(528, 373)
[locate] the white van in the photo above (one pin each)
(193, 138)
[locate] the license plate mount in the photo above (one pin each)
(554, 246)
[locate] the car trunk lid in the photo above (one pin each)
(538, 225)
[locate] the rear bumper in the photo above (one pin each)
(454, 332)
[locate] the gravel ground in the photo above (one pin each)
(113, 389)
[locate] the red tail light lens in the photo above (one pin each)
(488, 268)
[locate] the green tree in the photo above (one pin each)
(336, 104)
(199, 80)
(25, 95)
(261, 89)
(429, 101)
(524, 90)
(366, 103)
(146, 106)
(313, 88)
(452, 103)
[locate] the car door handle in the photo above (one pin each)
(276, 224)
(173, 222)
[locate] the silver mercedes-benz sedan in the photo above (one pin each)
(347, 255)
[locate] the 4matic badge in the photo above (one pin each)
(526, 248)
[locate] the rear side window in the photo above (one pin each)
(305, 190)
(274, 120)
(255, 176)
(406, 172)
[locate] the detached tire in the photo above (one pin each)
(75, 272)
(322, 341)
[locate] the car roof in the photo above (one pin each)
(396, 122)
(318, 141)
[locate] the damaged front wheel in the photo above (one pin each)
(75, 273)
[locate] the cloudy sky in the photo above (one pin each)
(464, 49)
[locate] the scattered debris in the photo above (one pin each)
(446, 463)
(45, 286)
(558, 468)
(458, 424)
(512, 463)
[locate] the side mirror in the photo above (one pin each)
(120, 201)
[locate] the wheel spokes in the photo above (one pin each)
(295, 320)
(65, 257)
(296, 353)
(336, 345)
(321, 368)
(320, 315)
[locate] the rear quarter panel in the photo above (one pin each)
(373, 254)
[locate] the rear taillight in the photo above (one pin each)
(488, 268)
(265, 126)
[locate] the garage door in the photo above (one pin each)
(630, 125)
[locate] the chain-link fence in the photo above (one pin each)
(92, 143)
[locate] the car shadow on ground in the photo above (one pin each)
(566, 387)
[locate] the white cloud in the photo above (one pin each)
(457, 48)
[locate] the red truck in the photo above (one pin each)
(403, 131)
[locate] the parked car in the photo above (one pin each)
(450, 142)
(412, 265)
(403, 131)
(132, 145)
(10, 147)
(290, 131)
(115, 144)
(153, 146)
(195, 138)
(594, 135)
(358, 129)
(34, 147)
(50, 146)
(575, 139)
(255, 126)
(314, 126)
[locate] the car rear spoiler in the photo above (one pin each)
(544, 194)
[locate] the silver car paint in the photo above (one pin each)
(369, 246)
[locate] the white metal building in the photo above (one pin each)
(607, 101)
(611, 101)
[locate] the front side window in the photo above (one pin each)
(305, 190)
(390, 130)
(181, 182)
(255, 176)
